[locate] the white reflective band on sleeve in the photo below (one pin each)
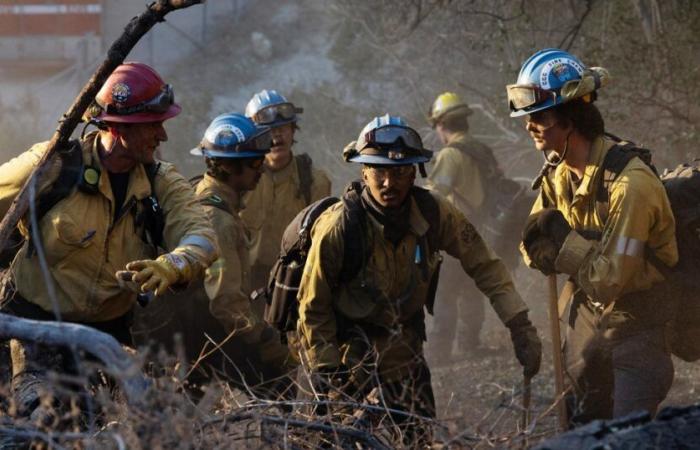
(629, 246)
(198, 241)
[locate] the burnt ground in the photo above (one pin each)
(480, 395)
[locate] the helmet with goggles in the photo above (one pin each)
(388, 140)
(134, 93)
(233, 135)
(447, 104)
(551, 77)
(272, 109)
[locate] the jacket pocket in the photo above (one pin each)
(64, 237)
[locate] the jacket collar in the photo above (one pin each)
(599, 148)
(211, 186)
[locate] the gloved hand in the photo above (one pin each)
(543, 235)
(543, 252)
(526, 343)
(157, 275)
(549, 223)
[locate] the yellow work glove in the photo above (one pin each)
(159, 274)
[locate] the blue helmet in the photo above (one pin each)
(388, 140)
(232, 135)
(551, 77)
(272, 109)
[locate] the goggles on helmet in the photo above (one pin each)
(390, 136)
(523, 96)
(284, 111)
(258, 143)
(158, 104)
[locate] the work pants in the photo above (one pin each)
(613, 371)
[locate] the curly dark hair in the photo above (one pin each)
(221, 168)
(583, 116)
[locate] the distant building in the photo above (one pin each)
(50, 32)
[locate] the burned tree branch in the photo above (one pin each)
(101, 345)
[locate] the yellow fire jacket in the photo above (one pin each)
(84, 246)
(456, 176)
(640, 220)
(390, 291)
(273, 204)
(226, 281)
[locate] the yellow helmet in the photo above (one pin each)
(447, 102)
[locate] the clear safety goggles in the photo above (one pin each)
(284, 111)
(390, 136)
(161, 103)
(526, 95)
(262, 141)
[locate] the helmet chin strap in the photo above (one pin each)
(550, 163)
(552, 160)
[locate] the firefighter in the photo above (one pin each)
(460, 172)
(288, 184)
(251, 355)
(366, 331)
(101, 221)
(616, 358)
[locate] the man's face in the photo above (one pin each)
(389, 185)
(280, 153)
(139, 141)
(546, 131)
(248, 178)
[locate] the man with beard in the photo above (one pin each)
(251, 354)
(365, 329)
(106, 211)
(613, 246)
(289, 183)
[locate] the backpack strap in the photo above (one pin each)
(153, 217)
(67, 180)
(615, 161)
(430, 210)
(304, 164)
(354, 231)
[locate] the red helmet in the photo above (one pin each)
(135, 93)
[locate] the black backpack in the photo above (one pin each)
(281, 309)
(682, 285)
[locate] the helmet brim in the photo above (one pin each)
(199, 151)
(142, 117)
(384, 161)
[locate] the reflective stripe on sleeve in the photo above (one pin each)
(629, 246)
